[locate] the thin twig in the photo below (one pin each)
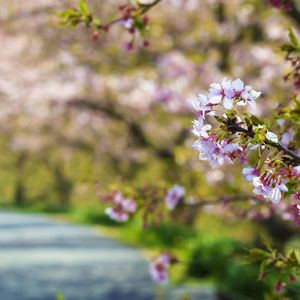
(249, 132)
(145, 8)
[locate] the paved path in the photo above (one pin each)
(40, 257)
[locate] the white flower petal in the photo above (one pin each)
(228, 103)
(214, 99)
(254, 94)
(275, 195)
(238, 85)
(203, 99)
(252, 103)
(283, 188)
(272, 137)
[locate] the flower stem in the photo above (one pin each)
(295, 159)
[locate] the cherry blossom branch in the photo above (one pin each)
(144, 9)
(233, 127)
(149, 6)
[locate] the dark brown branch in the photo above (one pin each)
(149, 6)
(295, 159)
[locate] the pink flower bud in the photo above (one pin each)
(121, 7)
(106, 28)
(95, 35)
(129, 46)
(279, 287)
(145, 20)
(145, 44)
(292, 278)
(131, 30)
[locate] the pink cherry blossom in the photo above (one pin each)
(231, 92)
(298, 207)
(260, 188)
(289, 212)
(296, 196)
(287, 137)
(210, 150)
(159, 268)
(216, 152)
(281, 122)
(201, 130)
(292, 278)
(121, 209)
(296, 171)
(128, 23)
(173, 196)
(279, 287)
(219, 92)
(250, 173)
(216, 93)
(116, 214)
(266, 187)
(238, 86)
(202, 106)
(248, 95)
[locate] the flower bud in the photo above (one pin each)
(279, 287)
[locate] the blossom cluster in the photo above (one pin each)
(132, 18)
(121, 208)
(232, 92)
(174, 195)
(269, 185)
(159, 268)
(227, 93)
(236, 138)
(134, 23)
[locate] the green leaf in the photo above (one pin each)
(257, 254)
(288, 48)
(220, 119)
(263, 266)
(297, 255)
(96, 22)
(248, 122)
(83, 7)
(70, 17)
(266, 242)
(231, 113)
(293, 259)
(293, 38)
(255, 120)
